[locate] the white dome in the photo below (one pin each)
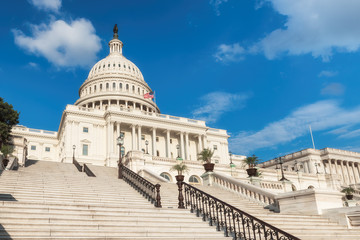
(116, 65)
(116, 79)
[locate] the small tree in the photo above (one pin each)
(180, 168)
(251, 161)
(6, 150)
(205, 155)
(8, 118)
(348, 191)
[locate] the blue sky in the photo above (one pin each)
(264, 70)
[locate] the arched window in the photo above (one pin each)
(114, 86)
(95, 88)
(310, 187)
(158, 153)
(138, 90)
(120, 85)
(100, 87)
(90, 90)
(127, 87)
(133, 88)
(107, 85)
(293, 187)
(166, 176)
(194, 180)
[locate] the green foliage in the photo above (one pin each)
(205, 155)
(348, 190)
(6, 150)
(180, 168)
(251, 161)
(8, 118)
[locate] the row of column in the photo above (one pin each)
(348, 174)
(127, 105)
(136, 141)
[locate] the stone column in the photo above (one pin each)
(199, 144)
(186, 145)
(101, 108)
(358, 172)
(139, 138)
(311, 166)
(306, 168)
(154, 141)
(353, 171)
(336, 167)
(330, 167)
(205, 141)
(111, 138)
(118, 131)
(182, 145)
(133, 137)
(168, 143)
(348, 171)
(343, 172)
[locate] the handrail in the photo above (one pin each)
(258, 194)
(88, 172)
(233, 221)
(77, 165)
(146, 188)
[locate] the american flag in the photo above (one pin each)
(149, 95)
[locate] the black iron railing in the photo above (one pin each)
(146, 188)
(77, 165)
(87, 170)
(234, 222)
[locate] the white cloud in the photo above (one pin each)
(351, 134)
(327, 73)
(322, 115)
(229, 53)
(47, 5)
(333, 89)
(318, 27)
(33, 65)
(216, 4)
(217, 103)
(63, 44)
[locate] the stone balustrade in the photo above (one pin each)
(258, 194)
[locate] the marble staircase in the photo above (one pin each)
(47, 200)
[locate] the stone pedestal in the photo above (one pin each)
(309, 201)
(208, 178)
(255, 181)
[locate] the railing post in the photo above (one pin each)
(180, 197)
(158, 198)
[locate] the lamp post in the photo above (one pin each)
(280, 161)
(147, 149)
(232, 165)
(120, 142)
(74, 152)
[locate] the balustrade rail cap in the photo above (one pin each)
(246, 185)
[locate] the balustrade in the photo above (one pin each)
(247, 190)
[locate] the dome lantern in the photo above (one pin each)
(115, 44)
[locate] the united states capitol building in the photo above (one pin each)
(111, 102)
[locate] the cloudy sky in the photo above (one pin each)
(264, 70)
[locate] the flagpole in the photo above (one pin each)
(312, 138)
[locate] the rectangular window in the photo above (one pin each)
(157, 139)
(142, 137)
(47, 149)
(85, 129)
(215, 147)
(33, 147)
(170, 140)
(85, 150)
